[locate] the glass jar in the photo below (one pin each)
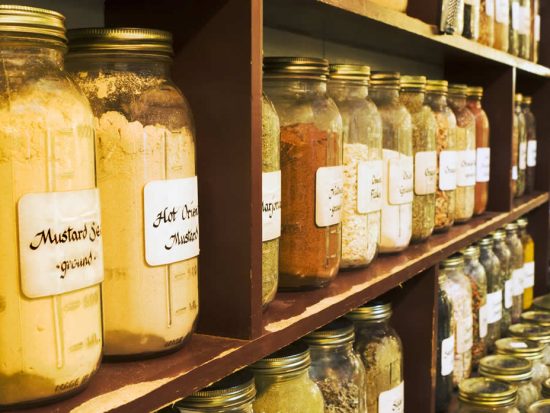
(516, 266)
(515, 371)
(283, 383)
(485, 395)
(504, 257)
(466, 153)
(542, 406)
(381, 350)
(145, 151)
(487, 23)
(458, 287)
(520, 148)
(531, 132)
(452, 17)
(491, 264)
(524, 30)
(425, 155)
(526, 349)
(541, 318)
(483, 150)
(398, 170)
(528, 263)
(536, 332)
(311, 168)
(471, 19)
(513, 29)
(48, 305)
(535, 31)
(478, 280)
(445, 352)
(362, 147)
(336, 368)
(502, 24)
(445, 195)
(233, 394)
(271, 200)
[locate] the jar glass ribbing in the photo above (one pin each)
(516, 267)
(485, 395)
(531, 132)
(504, 256)
(491, 264)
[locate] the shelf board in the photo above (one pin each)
(346, 21)
(150, 384)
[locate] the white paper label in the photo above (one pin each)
(60, 245)
(392, 401)
(490, 8)
(171, 214)
(483, 164)
(529, 274)
(271, 205)
(508, 288)
(447, 356)
(518, 344)
(464, 335)
(401, 182)
(537, 28)
(502, 11)
(447, 170)
(517, 282)
(483, 321)
(532, 153)
(524, 20)
(522, 155)
(425, 173)
(514, 173)
(466, 168)
(494, 307)
(328, 196)
(369, 186)
(515, 15)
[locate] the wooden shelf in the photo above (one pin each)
(150, 384)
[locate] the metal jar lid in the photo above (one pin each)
(518, 98)
(29, 23)
(506, 368)
(474, 91)
(527, 100)
(486, 392)
(231, 392)
(542, 406)
(535, 332)
(471, 251)
(511, 227)
(336, 333)
(385, 79)
(522, 222)
(542, 302)
(350, 73)
(519, 347)
(372, 311)
(123, 39)
(486, 242)
(453, 261)
(413, 83)
(545, 390)
(439, 86)
(295, 68)
(541, 318)
(288, 361)
(499, 234)
(458, 89)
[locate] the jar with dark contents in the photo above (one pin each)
(491, 264)
(504, 257)
(519, 149)
(531, 132)
(445, 352)
(446, 148)
(487, 23)
(471, 19)
(516, 267)
(485, 395)
(534, 332)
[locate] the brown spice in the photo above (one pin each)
(482, 141)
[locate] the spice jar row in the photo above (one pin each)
(352, 365)
(512, 26)
(524, 147)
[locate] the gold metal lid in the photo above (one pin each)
(511, 227)
(545, 390)
(486, 242)
(350, 73)
(27, 23)
(453, 261)
(506, 368)
(439, 86)
(542, 406)
(486, 392)
(334, 334)
(456, 89)
(474, 91)
(414, 83)
(519, 347)
(527, 100)
(535, 332)
(287, 361)
(541, 318)
(542, 303)
(295, 67)
(522, 222)
(372, 311)
(230, 392)
(385, 79)
(499, 234)
(471, 251)
(518, 98)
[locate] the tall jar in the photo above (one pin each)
(478, 280)
(524, 30)
(535, 31)
(528, 263)
(483, 150)
(145, 163)
(311, 169)
(49, 306)
(283, 382)
(516, 266)
(515, 371)
(336, 368)
(425, 155)
(535, 332)
(445, 352)
(485, 395)
(531, 132)
(233, 394)
(520, 148)
(362, 147)
(398, 170)
(502, 24)
(491, 264)
(445, 195)
(504, 257)
(381, 350)
(458, 287)
(471, 19)
(513, 41)
(487, 22)
(452, 17)
(466, 153)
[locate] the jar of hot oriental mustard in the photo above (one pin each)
(145, 162)
(311, 168)
(51, 258)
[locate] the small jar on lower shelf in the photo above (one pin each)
(485, 395)
(516, 266)
(491, 264)
(534, 332)
(504, 256)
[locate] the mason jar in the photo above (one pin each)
(337, 368)
(513, 30)
(487, 23)
(311, 168)
(483, 150)
(445, 195)
(398, 170)
(50, 290)
(381, 350)
(531, 132)
(535, 332)
(445, 352)
(524, 29)
(485, 395)
(542, 406)
(362, 147)
(516, 266)
(519, 149)
(528, 263)
(458, 288)
(471, 19)
(233, 394)
(491, 264)
(424, 126)
(283, 382)
(504, 257)
(502, 24)
(145, 163)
